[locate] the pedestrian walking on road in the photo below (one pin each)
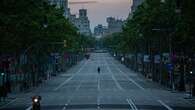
(98, 69)
(3, 93)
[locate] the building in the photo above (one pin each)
(61, 4)
(82, 22)
(100, 31)
(134, 6)
(114, 25)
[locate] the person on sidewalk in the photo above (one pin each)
(3, 92)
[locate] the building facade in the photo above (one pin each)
(114, 25)
(135, 4)
(61, 4)
(82, 22)
(100, 31)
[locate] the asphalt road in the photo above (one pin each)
(115, 88)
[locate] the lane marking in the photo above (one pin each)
(99, 89)
(8, 103)
(99, 83)
(132, 104)
(130, 79)
(98, 101)
(113, 77)
(66, 81)
(165, 105)
(29, 108)
(76, 89)
(64, 108)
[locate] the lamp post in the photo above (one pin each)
(3, 78)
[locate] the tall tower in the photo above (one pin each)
(65, 3)
(59, 3)
(83, 13)
(135, 4)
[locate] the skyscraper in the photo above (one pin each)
(135, 4)
(61, 4)
(114, 25)
(82, 22)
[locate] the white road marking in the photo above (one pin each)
(131, 80)
(77, 88)
(29, 108)
(131, 103)
(165, 105)
(99, 89)
(64, 108)
(113, 77)
(9, 103)
(65, 82)
(98, 100)
(99, 83)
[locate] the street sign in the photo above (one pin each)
(170, 67)
(157, 59)
(146, 58)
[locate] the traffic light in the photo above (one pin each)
(65, 43)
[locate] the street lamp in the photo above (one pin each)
(162, 1)
(45, 22)
(2, 74)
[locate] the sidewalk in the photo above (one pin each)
(184, 95)
(12, 97)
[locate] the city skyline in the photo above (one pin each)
(101, 9)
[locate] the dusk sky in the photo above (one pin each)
(99, 11)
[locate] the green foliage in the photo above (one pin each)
(153, 26)
(21, 26)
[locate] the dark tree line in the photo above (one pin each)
(158, 27)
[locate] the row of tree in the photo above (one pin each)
(33, 36)
(33, 24)
(157, 26)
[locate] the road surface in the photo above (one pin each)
(115, 88)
